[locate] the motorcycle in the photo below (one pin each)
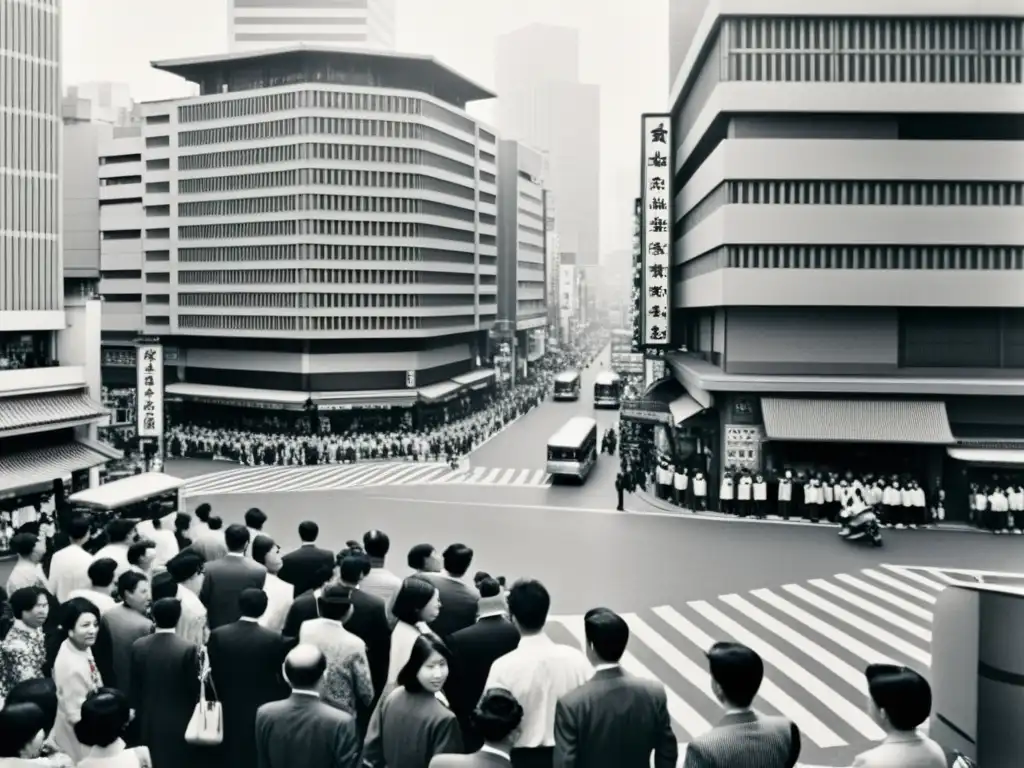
(860, 525)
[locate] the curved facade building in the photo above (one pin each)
(30, 195)
(316, 221)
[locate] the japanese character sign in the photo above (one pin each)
(656, 230)
(150, 390)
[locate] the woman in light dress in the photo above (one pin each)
(416, 604)
(74, 671)
(105, 716)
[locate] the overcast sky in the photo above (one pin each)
(623, 51)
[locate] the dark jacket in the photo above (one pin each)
(304, 568)
(120, 627)
(245, 660)
(748, 738)
(301, 731)
(223, 583)
(459, 603)
(369, 622)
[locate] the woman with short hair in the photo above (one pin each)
(74, 671)
(104, 719)
(414, 722)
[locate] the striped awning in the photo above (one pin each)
(42, 466)
(481, 376)
(438, 393)
(857, 421)
(684, 407)
(63, 409)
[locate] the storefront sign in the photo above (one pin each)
(149, 390)
(743, 447)
(656, 228)
(410, 379)
(646, 411)
(636, 320)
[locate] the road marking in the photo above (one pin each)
(506, 477)
(777, 698)
(678, 709)
(853, 716)
(899, 586)
(689, 670)
(491, 477)
(823, 628)
(522, 477)
(904, 605)
(914, 576)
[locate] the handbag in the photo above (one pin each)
(206, 726)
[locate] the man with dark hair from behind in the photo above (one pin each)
(165, 687)
(302, 730)
(303, 568)
(246, 662)
(210, 542)
(458, 599)
(101, 577)
(744, 736)
(538, 670)
(379, 581)
(255, 519)
(423, 558)
(900, 700)
(614, 718)
(69, 566)
(186, 568)
(225, 579)
(496, 718)
(369, 618)
(120, 534)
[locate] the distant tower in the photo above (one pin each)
(263, 24)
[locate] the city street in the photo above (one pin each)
(816, 608)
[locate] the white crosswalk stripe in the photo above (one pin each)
(815, 639)
(333, 477)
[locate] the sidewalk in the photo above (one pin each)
(662, 506)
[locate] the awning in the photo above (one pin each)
(477, 379)
(370, 398)
(130, 490)
(857, 421)
(986, 455)
(438, 393)
(67, 409)
(683, 408)
(237, 395)
(22, 471)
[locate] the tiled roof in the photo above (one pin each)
(866, 421)
(52, 410)
(44, 465)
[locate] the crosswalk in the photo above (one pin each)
(333, 477)
(815, 638)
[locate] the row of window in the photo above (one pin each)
(852, 257)
(855, 192)
(29, 84)
(301, 300)
(316, 99)
(877, 35)
(336, 228)
(335, 203)
(289, 323)
(290, 276)
(331, 126)
(307, 252)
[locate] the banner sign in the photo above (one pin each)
(149, 396)
(636, 319)
(656, 228)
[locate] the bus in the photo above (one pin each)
(607, 390)
(572, 450)
(141, 497)
(567, 385)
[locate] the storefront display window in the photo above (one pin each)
(26, 350)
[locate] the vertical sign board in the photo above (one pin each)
(636, 322)
(149, 401)
(656, 228)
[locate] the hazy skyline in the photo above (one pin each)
(623, 52)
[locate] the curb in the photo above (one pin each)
(664, 506)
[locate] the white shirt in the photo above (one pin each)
(119, 554)
(192, 625)
(166, 547)
(280, 595)
(101, 600)
(538, 673)
(69, 570)
(403, 636)
(680, 480)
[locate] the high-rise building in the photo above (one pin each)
(49, 349)
(521, 266)
(265, 24)
(683, 19)
(848, 250)
(99, 103)
(542, 104)
(326, 230)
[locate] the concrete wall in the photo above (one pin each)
(81, 199)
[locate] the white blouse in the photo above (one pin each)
(403, 636)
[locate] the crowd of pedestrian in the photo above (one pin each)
(200, 644)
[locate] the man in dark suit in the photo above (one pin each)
(225, 579)
(165, 687)
(305, 606)
(301, 730)
(743, 737)
(304, 566)
(458, 599)
(369, 618)
(245, 660)
(614, 720)
(496, 718)
(473, 650)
